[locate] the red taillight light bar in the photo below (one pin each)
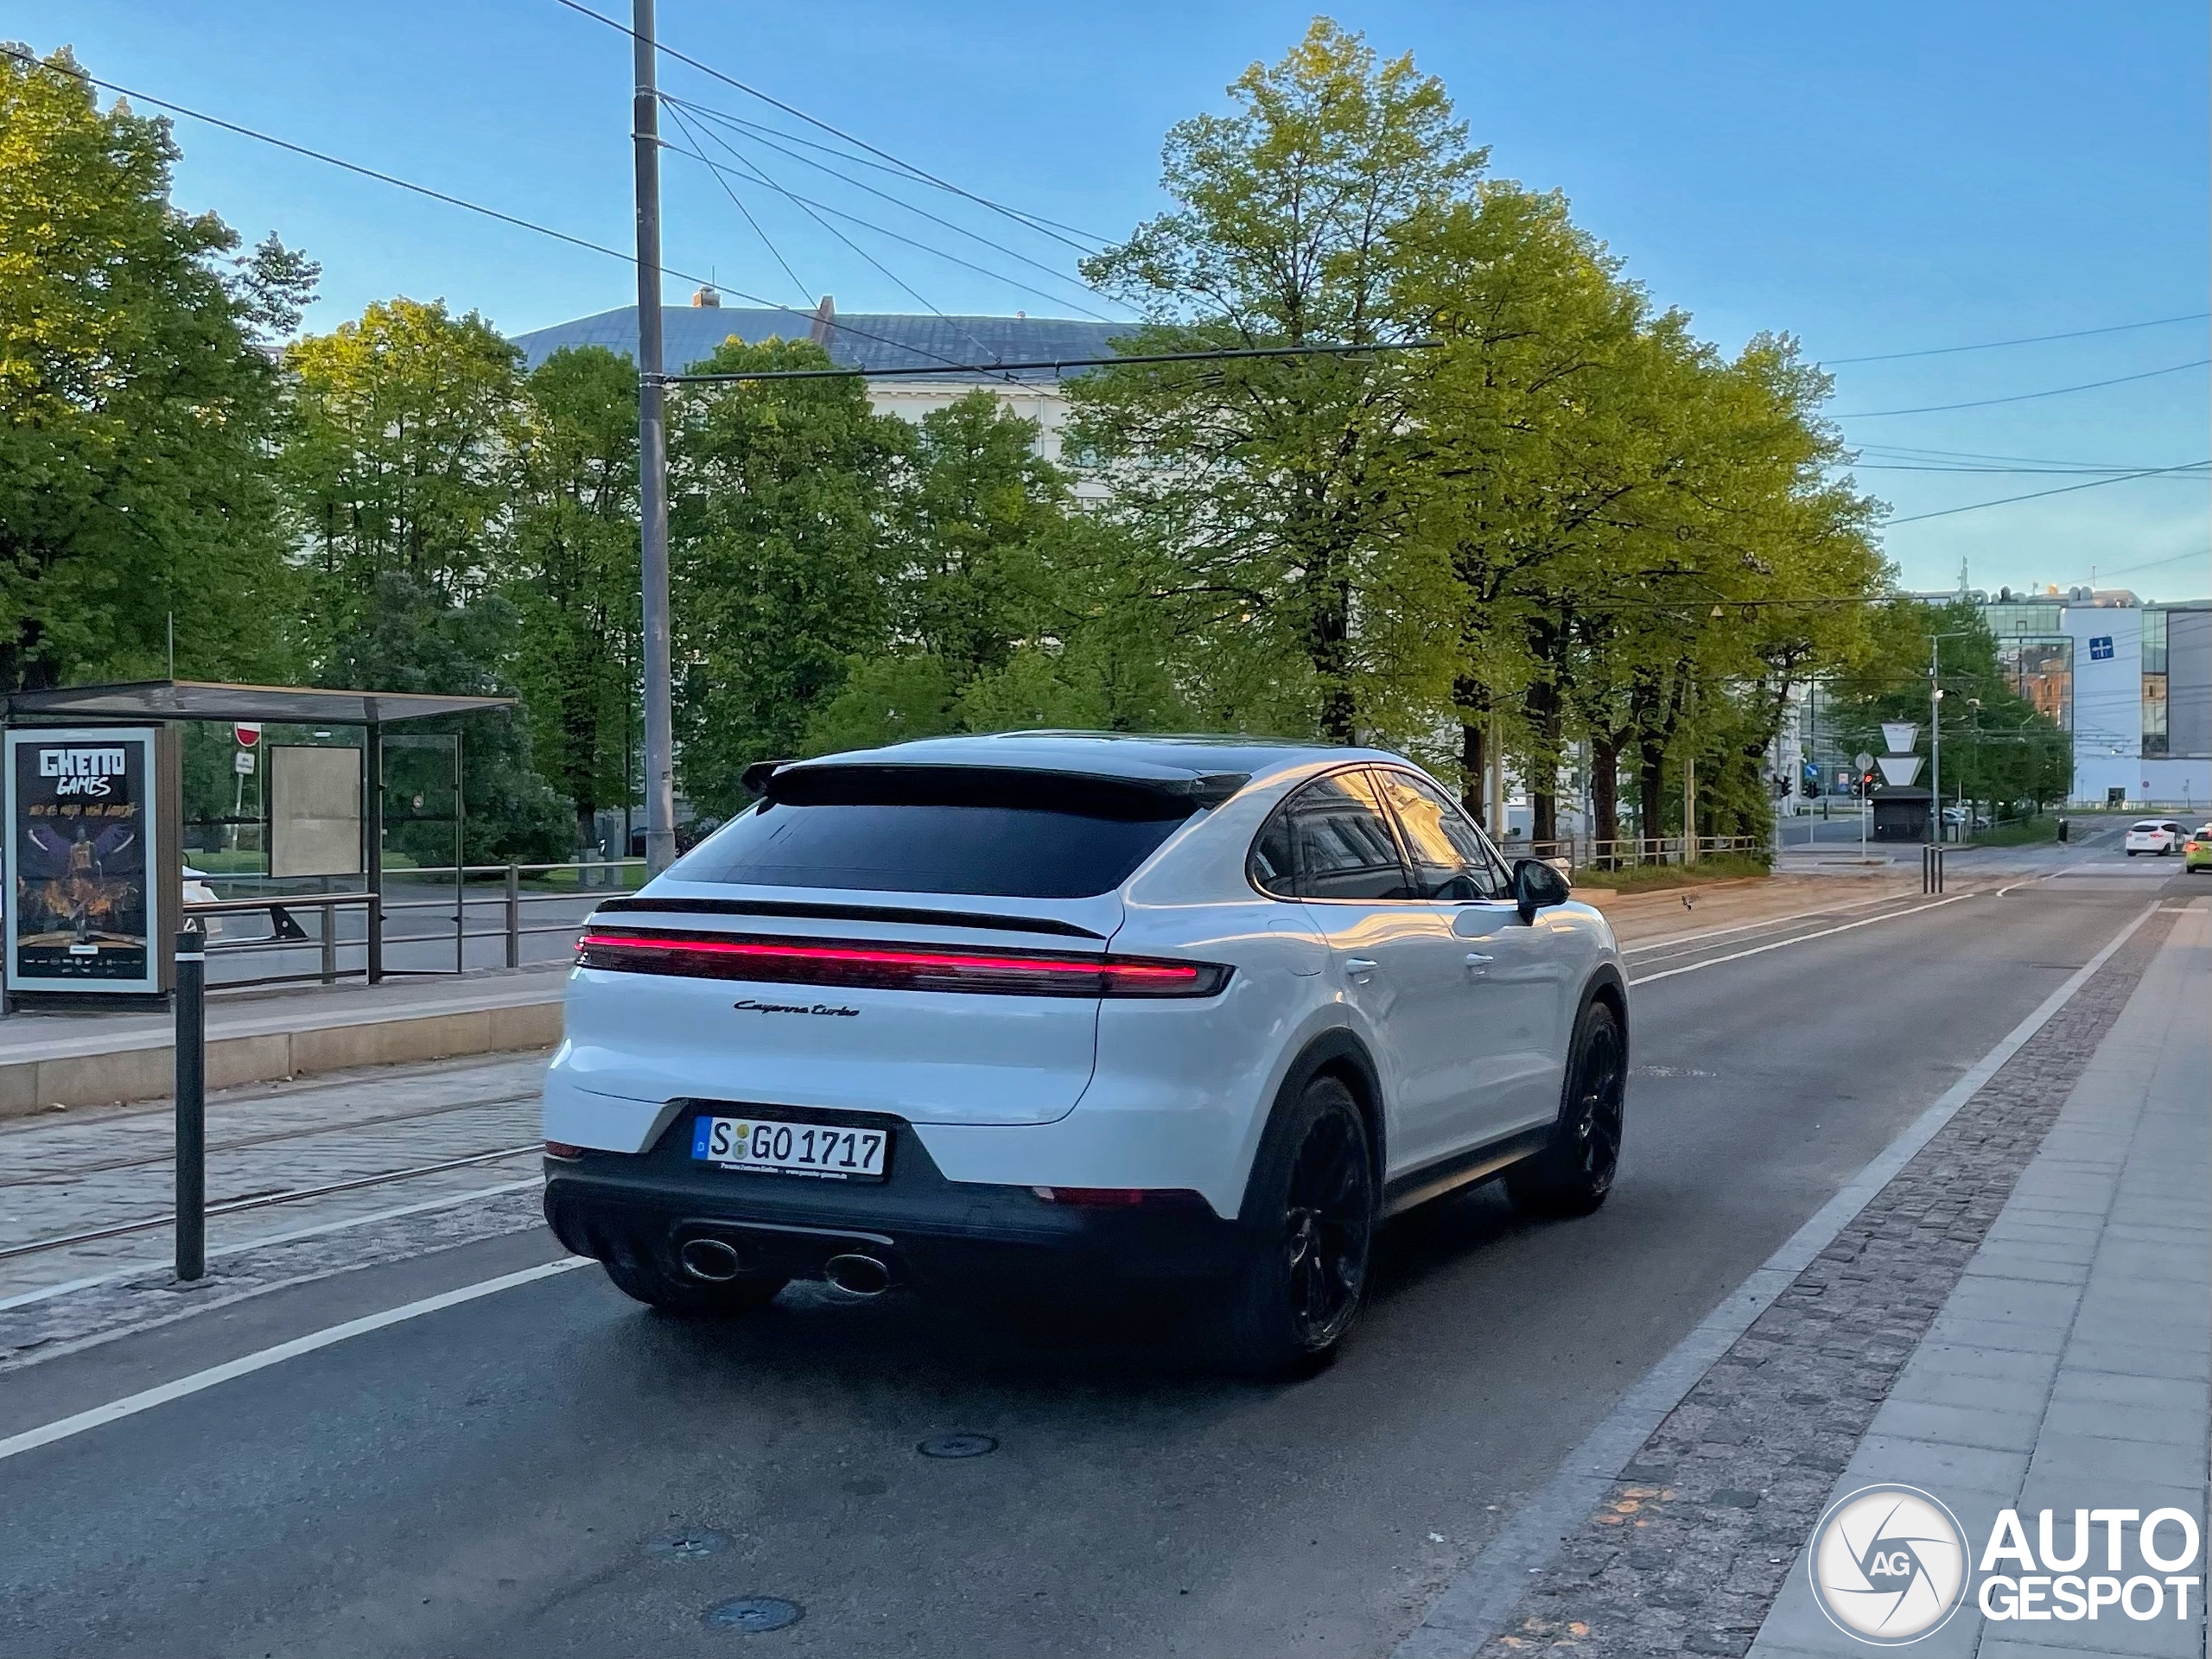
(877, 965)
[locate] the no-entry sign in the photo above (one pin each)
(248, 733)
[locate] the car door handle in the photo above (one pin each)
(1360, 967)
(1475, 964)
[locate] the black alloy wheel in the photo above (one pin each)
(1311, 1214)
(1328, 1225)
(1575, 1171)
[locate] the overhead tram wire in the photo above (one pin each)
(758, 134)
(885, 271)
(1035, 221)
(461, 202)
(2025, 396)
(2030, 340)
(806, 203)
(737, 202)
(1058, 364)
(2037, 495)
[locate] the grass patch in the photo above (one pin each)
(1649, 878)
(2022, 832)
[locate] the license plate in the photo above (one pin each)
(824, 1151)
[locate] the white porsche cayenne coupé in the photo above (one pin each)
(1075, 1009)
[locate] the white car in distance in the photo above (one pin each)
(2160, 835)
(1068, 1010)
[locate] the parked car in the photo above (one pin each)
(1957, 816)
(197, 892)
(2160, 835)
(2197, 851)
(1070, 1010)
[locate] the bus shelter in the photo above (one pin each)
(93, 787)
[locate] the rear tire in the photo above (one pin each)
(656, 1288)
(1311, 1214)
(1575, 1172)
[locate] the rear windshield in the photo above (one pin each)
(2149, 823)
(1011, 852)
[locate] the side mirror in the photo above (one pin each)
(1535, 886)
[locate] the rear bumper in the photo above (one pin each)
(933, 1233)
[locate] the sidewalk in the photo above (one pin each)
(92, 1059)
(2069, 1368)
(2008, 1307)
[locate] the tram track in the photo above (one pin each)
(64, 1174)
(262, 1201)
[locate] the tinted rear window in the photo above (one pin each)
(1011, 852)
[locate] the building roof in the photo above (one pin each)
(864, 340)
(293, 705)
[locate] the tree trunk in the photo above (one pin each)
(1474, 772)
(1331, 654)
(1605, 793)
(1543, 770)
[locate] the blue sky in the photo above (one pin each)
(1880, 178)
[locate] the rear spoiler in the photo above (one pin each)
(1113, 795)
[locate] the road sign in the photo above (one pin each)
(248, 733)
(1900, 769)
(1864, 761)
(1898, 734)
(242, 763)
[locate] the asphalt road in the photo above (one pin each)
(492, 1479)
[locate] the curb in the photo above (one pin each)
(144, 1067)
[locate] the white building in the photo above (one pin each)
(2131, 681)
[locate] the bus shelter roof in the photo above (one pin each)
(286, 705)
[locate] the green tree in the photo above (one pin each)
(571, 574)
(136, 401)
(1275, 486)
(779, 561)
(410, 637)
(400, 468)
(397, 462)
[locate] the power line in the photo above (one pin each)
(754, 169)
(1034, 221)
(809, 203)
(1905, 452)
(2030, 340)
(2063, 489)
(461, 202)
(2019, 472)
(767, 135)
(2024, 397)
(1001, 367)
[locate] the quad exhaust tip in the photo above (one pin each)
(710, 1260)
(862, 1275)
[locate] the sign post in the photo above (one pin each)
(191, 1105)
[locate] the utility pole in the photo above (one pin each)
(652, 455)
(1935, 735)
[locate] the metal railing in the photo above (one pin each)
(1629, 852)
(331, 930)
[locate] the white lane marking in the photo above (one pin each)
(2017, 886)
(1676, 940)
(1799, 939)
(245, 1365)
(1463, 1618)
(131, 1270)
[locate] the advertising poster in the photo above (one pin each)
(82, 869)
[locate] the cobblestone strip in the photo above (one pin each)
(1688, 1550)
(47, 1330)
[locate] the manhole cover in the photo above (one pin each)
(753, 1613)
(686, 1543)
(957, 1445)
